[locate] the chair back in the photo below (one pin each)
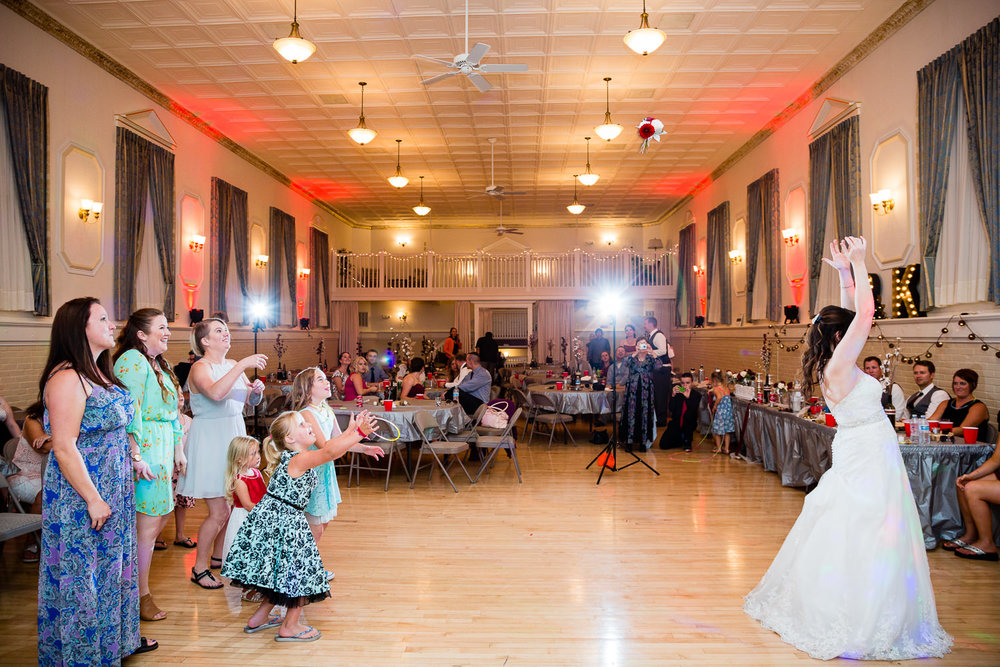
(543, 402)
(275, 405)
(425, 421)
(9, 448)
(477, 416)
(520, 399)
(510, 425)
(494, 392)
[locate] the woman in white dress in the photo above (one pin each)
(219, 390)
(851, 579)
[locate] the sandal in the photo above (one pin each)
(951, 545)
(299, 637)
(272, 622)
(196, 577)
(30, 554)
(187, 543)
(212, 563)
(146, 645)
(159, 545)
(148, 611)
(975, 553)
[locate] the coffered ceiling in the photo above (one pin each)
(727, 67)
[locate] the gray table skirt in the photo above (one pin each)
(583, 402)
(451, 417)
(799, 451)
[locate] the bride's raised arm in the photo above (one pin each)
(843, 363)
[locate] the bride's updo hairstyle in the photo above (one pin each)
(825, 333)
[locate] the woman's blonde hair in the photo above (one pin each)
(241, 449)
(274, 444)
(199, 331)
(357, 364)
(302, 387)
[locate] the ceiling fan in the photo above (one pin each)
(501, 230)
(469, 63)
(494, 190)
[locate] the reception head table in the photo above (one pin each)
(450, 416)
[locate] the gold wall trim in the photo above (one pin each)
(906, 12)
(42, 20)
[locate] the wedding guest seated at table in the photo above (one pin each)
(684, 402)
(457, 370)
(618, 372)
(375, 372)
(355, 385)
(474, 389)
(977, 491)
(413, 383)
(965, 409)
(893, 396)
(605, 363)
(928, 397)
(33, 446)
(339, 377)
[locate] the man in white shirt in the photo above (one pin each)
(658, 348)
(925, 401)
(892, 396)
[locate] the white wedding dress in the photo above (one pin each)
(851, 579)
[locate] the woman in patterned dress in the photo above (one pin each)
(88, 594)
(274, 553)
(638, 423)
(140, 366)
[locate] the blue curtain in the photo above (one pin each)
(718, 260)
(685, 306)
(819, 199)
(764, 233)
(161, 192)
(26, 104)
(228, 228)
(131, 182)
(980, 67)
(937, 114)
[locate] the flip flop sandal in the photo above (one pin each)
(272, 622)
(187, 543)
(951, 545)
(196, 577)
(299, 637)
(148, 611)
(146, 645)
(978, 554)
(159, 545)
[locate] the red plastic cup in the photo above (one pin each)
(934, 425)
(358, 401)
(565, 374)
(559, 386)
(971, 434)
(906, 426)
(387, 405)
(946, 427)
(830, 420)
(548, 374)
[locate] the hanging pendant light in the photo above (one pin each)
(608, 130)
(588, 177)
(397, 180)
(576, 208)
(421, 208)
(644, 40)
(361, 134)
(293, 48)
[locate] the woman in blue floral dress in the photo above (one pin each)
(638, 424)
(88, 595)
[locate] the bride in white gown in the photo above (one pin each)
(851, 579)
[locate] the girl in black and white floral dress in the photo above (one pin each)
(274, 552)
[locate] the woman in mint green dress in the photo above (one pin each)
(140, 366)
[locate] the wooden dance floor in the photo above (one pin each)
(641, 570)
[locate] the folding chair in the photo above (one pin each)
(470, 434)
(548, 414)
(425, 421)
(497, 442)
(15, 524)
(354, 468)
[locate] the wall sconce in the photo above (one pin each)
(197, 243)
(791, 237)
(401, 241)
(608, 240)
(735, 256)
(402, 317)
(882, 202)
(87, 207)
(698, 270)
(261, 260)
(304, 273)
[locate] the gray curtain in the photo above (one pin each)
(937, 114)
(819, 199)
(26, 104)
(283, 264)
(981, 84)
(764, 234)
(718, 260)
(228, 229)
(686, 305)
(319, 254)
(161, 192)
(845, 158)
(131, 183)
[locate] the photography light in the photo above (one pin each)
(258, 310)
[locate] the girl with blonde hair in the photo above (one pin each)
(244, 484)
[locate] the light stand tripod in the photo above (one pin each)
(257, 317)
(610, 451)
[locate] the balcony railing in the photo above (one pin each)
(429, 275)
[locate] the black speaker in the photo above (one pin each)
(196, 315)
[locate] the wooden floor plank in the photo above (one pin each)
(641, 570)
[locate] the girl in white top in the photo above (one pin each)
(219, 390)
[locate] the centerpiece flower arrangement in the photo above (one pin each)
(320, 349)
(279, 350)
(428, 347)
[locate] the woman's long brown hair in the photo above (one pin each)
(68, 345)
(824, 335)
(128, 339)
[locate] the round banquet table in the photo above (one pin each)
(582, 402)
(450, 416)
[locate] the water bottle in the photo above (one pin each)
(701, 373)
(924, 431)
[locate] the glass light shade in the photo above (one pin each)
(576, 208)
(293, 48)
(89, 205)
(421, 209)
(608, 130)
(361, 134)
(398, 180)
(97, 207)
(588, 178)
(644, 40)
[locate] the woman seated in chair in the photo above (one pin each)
(32, 446)
(413, 383)
(965, 409)
(355, 385)
(977, 491)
